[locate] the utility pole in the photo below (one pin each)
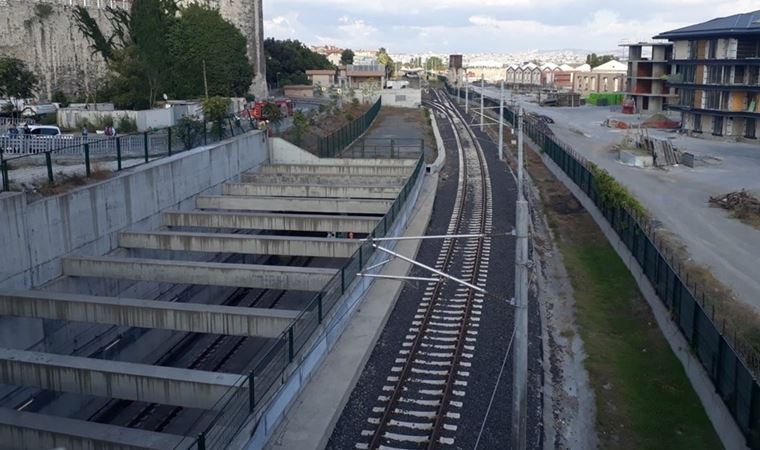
(501, 123)
(205, 81)
(482, 99)
(520, 386)
(466, 92)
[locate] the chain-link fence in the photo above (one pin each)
(332, 145)
(729, 364)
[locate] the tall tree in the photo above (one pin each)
(434, 63)
(384, 58)
(15, 79)
(347, 57)
(288, 61)
(202, 35)
(595, 60)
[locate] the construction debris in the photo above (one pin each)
(741, 203)
(660, 148)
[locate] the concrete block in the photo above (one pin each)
(322, 179)
(376, 170)
(305, 190)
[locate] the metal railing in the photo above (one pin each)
(332, 145)
(235, 407)
(730, 364)
(66, 156)
(380, 148)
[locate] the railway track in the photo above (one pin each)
(420, 404)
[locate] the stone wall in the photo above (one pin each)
(51, 45)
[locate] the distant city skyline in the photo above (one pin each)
(495, 26)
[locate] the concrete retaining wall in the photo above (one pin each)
(402, 98)
(86, 221)
(439, 162)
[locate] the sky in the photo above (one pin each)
(486, 26)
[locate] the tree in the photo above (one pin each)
(273, 114)
(595, 60)
(384, 58)
(434, 63)
(15, 79)
(202, 35)
(300, 126)
(215, 111)
(347, 57)
(288, 61)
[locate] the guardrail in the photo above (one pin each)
(729, 364)
(334, 144)
(240, 401)
(70, 153)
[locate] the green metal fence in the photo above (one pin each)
(728, 364)
(268, 373)
(82, 156)
(333, 145)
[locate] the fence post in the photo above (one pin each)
(169, 140)
(145, 145)
(291, 346)
(4, 170)
(319, 307)
(251, 392)
(118, 153)
(205, 132)
(360, 257)
(87, 168)
(49, 164)
(202, 441)
(391, 148)
(342, 281)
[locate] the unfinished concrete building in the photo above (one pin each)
(716, 68)
(648, 69)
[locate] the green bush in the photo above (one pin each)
(215, 111)
(189, 130)
(614, 194)
(125, 124)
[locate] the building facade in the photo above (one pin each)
(716, 74)
(648, 71)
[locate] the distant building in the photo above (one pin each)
(647, 76)
(716, 74)
(456, 70)
(363, 76)
(322, 77)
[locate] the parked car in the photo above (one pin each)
(44, 130)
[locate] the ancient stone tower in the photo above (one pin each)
(43, 34)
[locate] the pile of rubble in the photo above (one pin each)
(741, 203)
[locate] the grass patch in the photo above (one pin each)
(643, 398)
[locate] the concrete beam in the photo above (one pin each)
(190, 317)
(269, 221)
(20, 430)
(305, 190)
(375, 170)
(400, 162)
(320, 205)
(240, 243)
(200, 273)
(325, 180)
(115, 379)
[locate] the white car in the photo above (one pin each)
(44, 130)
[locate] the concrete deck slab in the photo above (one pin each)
(327, 180)
(210, 274)
(270, 221)
(310, 420)
(320, 205)
(239, 243)
(115, 379)
(191, 317)
(379, 169)
(305, 190)
(20, 430)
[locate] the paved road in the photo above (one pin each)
(677, 197)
